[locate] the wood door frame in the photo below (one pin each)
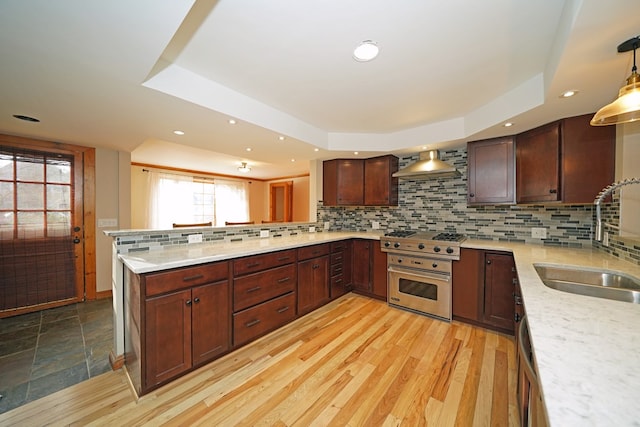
(85, 279)
(287, 209)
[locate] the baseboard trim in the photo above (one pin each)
(116, 362)
(103, 294)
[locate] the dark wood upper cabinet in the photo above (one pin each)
(491, 171)
(538, 164)
(360, 182)
(588, 159)
(380, 187)
(343, 182)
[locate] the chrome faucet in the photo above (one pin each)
(601, 195)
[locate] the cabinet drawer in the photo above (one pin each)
(253, 322)
(159, 283)
(338, 246)
(337, 258)
(336, 269)
(313, 251)
(256, 263)
(258, 287)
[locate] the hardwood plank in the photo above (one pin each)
(355, 361)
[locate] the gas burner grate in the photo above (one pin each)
(400, 233)
(449, 237)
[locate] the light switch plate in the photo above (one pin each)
(264, 233)
(312, 229)
(195, 238)
(375, 225)
(327, 225)
(107, 222)
(539, 233)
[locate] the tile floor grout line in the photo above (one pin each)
(84, 345)
(33, 362)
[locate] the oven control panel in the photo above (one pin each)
(434, 265)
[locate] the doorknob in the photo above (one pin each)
(76, 240)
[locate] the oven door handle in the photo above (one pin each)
(421, 274)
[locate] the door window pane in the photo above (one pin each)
(58, 197)
(6, 195)
(6, 225)
(6, 166)
(30, 224)
(58, 224)
(30, 196)
(59, 172)
(27, 170)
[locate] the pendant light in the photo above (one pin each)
(626, 108)
(244, 168)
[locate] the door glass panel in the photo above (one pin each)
(30, 225)
(58, 197)
(58, 224)
(418, 289)
(29, 170)
(6, 225)
(30, 196)
(6, 195)
(6, 166)
(59, 172)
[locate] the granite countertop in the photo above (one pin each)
(586, 349)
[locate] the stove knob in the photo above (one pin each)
(421, 246)
(399, 260)
(449, 250)
(434, 265)
(396, 245)
(387, 244)
(436, 249)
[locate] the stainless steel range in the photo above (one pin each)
(419, 270)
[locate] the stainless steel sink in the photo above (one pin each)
(595, 283)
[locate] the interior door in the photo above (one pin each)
(41, 228)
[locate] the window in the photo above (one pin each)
(184, 199)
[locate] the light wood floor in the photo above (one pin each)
(354, 362)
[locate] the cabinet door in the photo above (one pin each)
(343, 182)
(361, 267)
(313, 284)
(588, 159)
(499, 286)
(538, 164)
(378, 271)
(491, 171)
(380, 188)
(467, 285)
(168, 336)
(210, 321)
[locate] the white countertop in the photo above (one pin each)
(586, 349)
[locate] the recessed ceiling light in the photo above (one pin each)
(281, 138)
(293, 160)
(26, 118)
(232, 122)
(508, 124)
(316, 149)
(178, 132)
(248, 149)
(355, 152)
(569, 94)
(424, 147)
(366, 51)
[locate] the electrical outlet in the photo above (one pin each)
(375, 225)
(195, 238)
(539, 233)
(605, 239)
(327, 225)
(264, 233)
(312, 229)
(107, 222)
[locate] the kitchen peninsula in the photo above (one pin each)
(585, 348)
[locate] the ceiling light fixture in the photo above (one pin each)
(244, 168)
(178, 132)
(26, 118)
(366, 51)
(626, 108)
(248, 149)
(568, 93)
(232, 122)
(508, 124)
(281, 138)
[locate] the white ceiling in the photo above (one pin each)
(124, 74)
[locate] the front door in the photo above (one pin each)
(41, 228)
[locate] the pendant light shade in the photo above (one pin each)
(626, 108)
(244, 168)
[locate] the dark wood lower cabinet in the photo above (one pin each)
(369, 269)
(313, 284)
(254, 322)
(483, 289)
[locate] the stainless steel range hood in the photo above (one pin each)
(429, 166)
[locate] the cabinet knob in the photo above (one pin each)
(188, 302)
(196, 300)
(517, 317)
(488, 261)
(472, 195)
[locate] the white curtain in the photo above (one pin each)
(171, 200)
(231, 201)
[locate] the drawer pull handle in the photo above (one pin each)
(253, 264)
(283, 258)
(284, 279)
(338, 270)
(283, 309)
(338, 281)
(191, 278)
(316, 266)
(252, 323)
(338, 258)
(257, 288)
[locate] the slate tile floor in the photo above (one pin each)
(43, 352)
